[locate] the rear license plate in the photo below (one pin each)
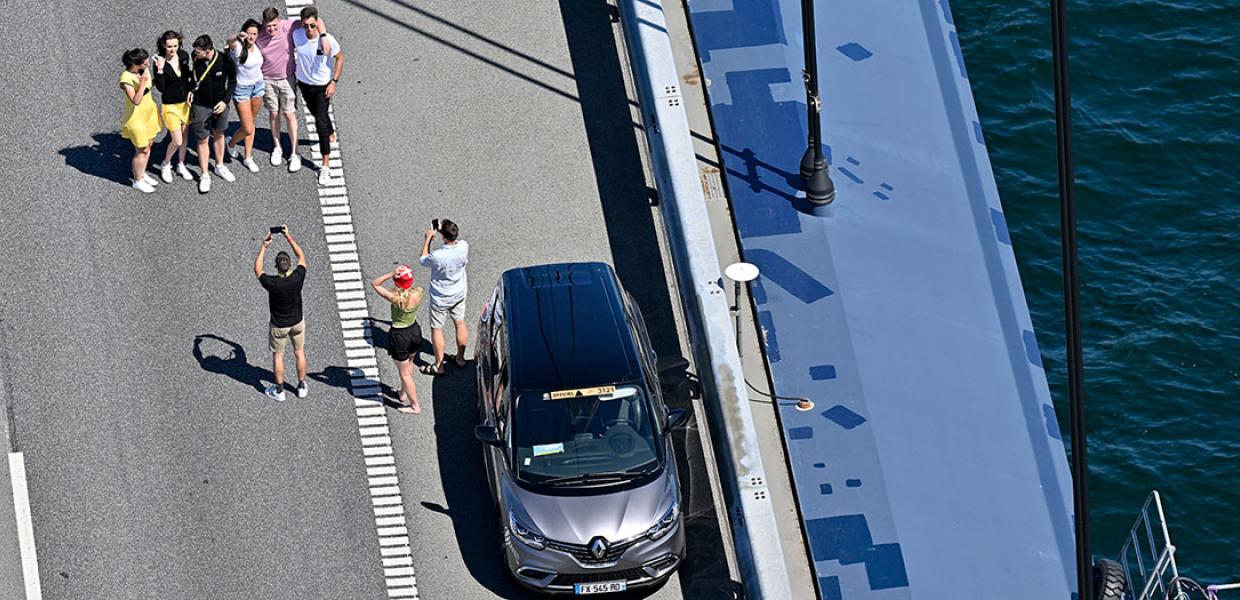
(600, 588)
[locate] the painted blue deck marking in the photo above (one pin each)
(821, 372)
(881, 196)
(1052, 424)
(855, 51)
(959, 55)
(1001, 228)
(924, 317)
(800, 433)
(853, 483)
(840, 415)
(1031, 347)
(849, 174)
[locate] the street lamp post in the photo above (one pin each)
(819, 188)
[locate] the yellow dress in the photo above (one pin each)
(141, 123)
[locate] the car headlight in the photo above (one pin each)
(665, 523)
(528, 535)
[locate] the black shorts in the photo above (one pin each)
(404, 342)
(201, 119)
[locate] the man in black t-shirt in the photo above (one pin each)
(284, 300)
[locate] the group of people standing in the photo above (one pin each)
(259, 68)
(448, 290)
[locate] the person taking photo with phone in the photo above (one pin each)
(405, 335)
(215, 76)
(448, 288)
(175, 81)
(248, 95)
(319, 64)
(141, 123)
(284, 301)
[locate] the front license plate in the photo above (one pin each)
(600, 588)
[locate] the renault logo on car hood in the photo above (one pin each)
(598, 547)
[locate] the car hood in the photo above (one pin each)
(615, 515)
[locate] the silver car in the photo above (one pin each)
(575, 433)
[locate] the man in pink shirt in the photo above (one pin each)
(279, 97)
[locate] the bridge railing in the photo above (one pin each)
(704, 301)
(1148, 559)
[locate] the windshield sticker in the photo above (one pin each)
(527, 461)
(627, 392)
(593, 391)
(545, 449)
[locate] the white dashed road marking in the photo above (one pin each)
(25, 529)
(385, 497)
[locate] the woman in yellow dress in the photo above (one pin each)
(141, 123)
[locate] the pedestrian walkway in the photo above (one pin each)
(931, 465)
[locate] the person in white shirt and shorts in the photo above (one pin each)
(448, 288)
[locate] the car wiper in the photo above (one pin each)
(596, 477)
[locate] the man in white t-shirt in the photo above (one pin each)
(318, 62)
(448, 288)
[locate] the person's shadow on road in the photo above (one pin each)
(234, 364)
(108, 158)
(341, 377)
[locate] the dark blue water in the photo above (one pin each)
(1156, 96)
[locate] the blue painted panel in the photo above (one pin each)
(898, 309)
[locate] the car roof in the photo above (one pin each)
(566, 327)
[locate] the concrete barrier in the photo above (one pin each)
(703, 298)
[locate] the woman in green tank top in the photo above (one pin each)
(405, 335)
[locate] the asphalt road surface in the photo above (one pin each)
(132, 332)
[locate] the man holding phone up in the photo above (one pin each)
(449, 287)
(284, 301)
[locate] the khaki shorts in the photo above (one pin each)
(456, 311)
(278, 336)
(279, 96)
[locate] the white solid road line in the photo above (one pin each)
(345, 265)
(25, 529)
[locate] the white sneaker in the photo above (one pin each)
(225, 174)
(294, 163)
(302, 390)
(150, 180)
(324, 176)
(274, 393)
(184, 173)
(142, 186)
(277, 156)
(165, 172)
(204, 183)
(250, 164)
(234, 152)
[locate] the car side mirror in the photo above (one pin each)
(487, 435)
(677, 418)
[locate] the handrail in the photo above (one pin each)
(686, 224)
(1153, 581)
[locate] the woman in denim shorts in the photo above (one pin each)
(248, 95)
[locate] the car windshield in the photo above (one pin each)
(599, 435)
